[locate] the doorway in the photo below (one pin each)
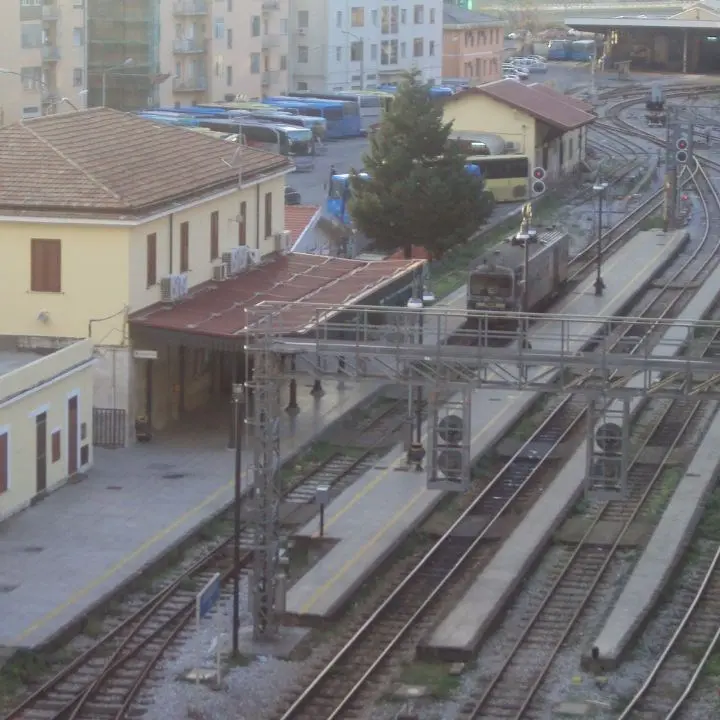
(72, 435)
(40, 452)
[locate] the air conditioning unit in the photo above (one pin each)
(302, 32)
(282, 240)
(173, 288)
(236, 259)
(221, 272)
(254, 256)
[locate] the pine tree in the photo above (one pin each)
(418, 192)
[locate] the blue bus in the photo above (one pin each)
(368, 106)
(339, 191)
(583, 50)
(294, 142)
(341, 121)
(269, 113)
(559, 50)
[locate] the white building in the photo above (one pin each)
(337, 46)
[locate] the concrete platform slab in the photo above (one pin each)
(284, 646)
(373, 516)
(459, 635)
(661, 555)
(72, 550)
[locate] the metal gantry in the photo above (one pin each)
(569, 354)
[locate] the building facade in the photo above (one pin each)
(472, 45)
(340, 46)
(46, 421)
(144, 215)
(57, 55)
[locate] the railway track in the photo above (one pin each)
(106, 679)
(512, 690)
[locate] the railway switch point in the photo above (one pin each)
(371, 518)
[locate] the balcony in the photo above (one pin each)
(270, 5)
(50, 96)
(50, 53)
(50, 13)
(189, 47)
(188, 8)
(273, 40)
(189, 85)
(270, 77)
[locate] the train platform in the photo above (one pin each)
(71, 552)
(458, 636)
(367, 521)
(672, 534)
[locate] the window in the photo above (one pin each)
(30, 35)
(356, 51)
(219, 28)
(403, 49)
(284, 26)
(374, 18)
(303, 53)
(228, 75)
(303, 18)
(431, 48)
(254, 63)
(268, 214)
(432, 16)
(229, 39)
(4, 462)
(31, 78)
(229, 5)
(338, 19)
(214, 235)
(389, 23)
(255, 26)
(357, 17)
(184, 247)
(338, 53)
(55, 446)
(389, 52)
(418, 47)
(78, 77)
(373, 52)
(151, 250)
(242, 226)
(302, 85)
(403, 17)
(418, 14)
(78, 37)
(45, 266)
(283, 62)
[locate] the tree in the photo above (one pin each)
(418, 191)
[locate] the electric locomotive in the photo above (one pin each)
(655, 106)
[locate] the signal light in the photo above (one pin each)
(682, 150)
(538, 187)
(681, 144)
(539, 173)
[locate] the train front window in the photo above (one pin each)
(491, 285)
(337, 188)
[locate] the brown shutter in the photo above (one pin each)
(214, 234)
(4, 462)
(184, 247)
(45, 265)
(151, 259)
(36, 265)
(242, 225)
(268, 214)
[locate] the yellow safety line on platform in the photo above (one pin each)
(362, 550)
(178, 522)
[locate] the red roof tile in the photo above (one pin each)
(539, 104)
(297, 218)
(219, 308)
(562, 97)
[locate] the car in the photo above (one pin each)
(511, 75)
(520, 71)
(292, 196)
(529, 64)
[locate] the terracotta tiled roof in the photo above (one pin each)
(562, 97)
(540, 105)
(218, 309)
(103, 161)
(454, 16)
(297, 218)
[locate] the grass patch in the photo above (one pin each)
(654, 222)
(24, 667)
(93, 628)
(434, 677)
(238, 660)
(710, 524)
(667, 483)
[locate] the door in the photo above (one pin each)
(40, 452)
(72, 435)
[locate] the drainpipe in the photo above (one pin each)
(257, 217)
(685, 51)
(170, 257)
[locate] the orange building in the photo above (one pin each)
(472, 45)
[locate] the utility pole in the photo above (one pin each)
(237, 398)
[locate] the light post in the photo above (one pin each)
(599, 189)
(237, 399)
(127, 63)
(416, 451)
(362, 56)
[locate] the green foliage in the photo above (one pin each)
(418, 192)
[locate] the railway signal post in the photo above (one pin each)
(599, 189)
(678, 154)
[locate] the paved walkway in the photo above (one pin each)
(62, 556)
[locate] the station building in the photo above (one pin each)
(687, 42)
(535, 120)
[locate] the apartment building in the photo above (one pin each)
(473, 45)
(57, 55)
(337, 46)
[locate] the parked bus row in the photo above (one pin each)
(578, 50)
